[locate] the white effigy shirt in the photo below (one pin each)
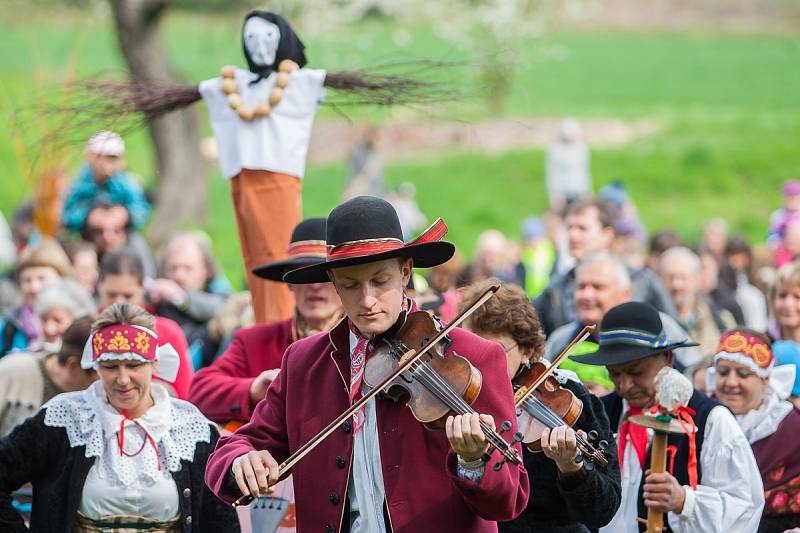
(729, 495)
(278, 142)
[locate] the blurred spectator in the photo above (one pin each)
(715, 235)
(738, 273)
(38, 265)
(190, 289)
(22, 227)
(444, 279)
(538, 256)
(718, 294)
(108, 227)
(602, 281)
(789, 249)
(235, 313)
(660, 242)
(404, 201)
(493, 259)
(29, 380)
(59, 304)
(366, 175)
(784, 304)
(680, 270)
(630, 250)
(628, 223)
(86, 265)
(103, 180)
(8, 252)
(746, 380)
(122, 280)
(780, 218)
(590, 225)
(567, 173)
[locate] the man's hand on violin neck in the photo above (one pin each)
(560, 445)
(466, 436)
(255, 472)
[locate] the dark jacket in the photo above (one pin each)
(564, 505)
(42, 455)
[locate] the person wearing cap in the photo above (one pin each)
(746, 379)
(120, 455)
(103, 180)
(230, 388)
(381, 470)
(712, 483)
(780, 219)
(539, 256)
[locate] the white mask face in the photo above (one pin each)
(261, 39)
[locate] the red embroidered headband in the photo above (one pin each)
(125, 341)
(744, 348)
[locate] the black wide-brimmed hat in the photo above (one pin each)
(629, 332)
(366, 229)
(307, 247)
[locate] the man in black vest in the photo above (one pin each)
(716, 488)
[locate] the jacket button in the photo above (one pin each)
(334, 498)
(347, 427)
(188, 520)
(340, 462)
(329, 529)
(187, 493)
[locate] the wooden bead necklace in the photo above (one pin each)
(245, 112)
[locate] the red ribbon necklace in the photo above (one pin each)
(148, 438)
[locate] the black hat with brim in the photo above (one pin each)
(307, 247)
(366, 229)
(629, 332)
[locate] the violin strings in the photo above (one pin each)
(550, 418)
(431, 379)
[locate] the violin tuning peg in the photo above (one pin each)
(505, 426)
(592, 435)
(485, 457)
(589, 466)
(603, 445)
(518, 436)
(497, 466)
(578, 458)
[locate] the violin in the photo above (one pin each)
(543, 403)
(412, 365)
(437, 386)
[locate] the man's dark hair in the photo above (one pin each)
(606, 213)
(74, 339)
(123, 261)
(663, 240)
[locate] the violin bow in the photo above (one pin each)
(406, 361)
(582, 336)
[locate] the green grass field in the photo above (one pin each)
(729, 105)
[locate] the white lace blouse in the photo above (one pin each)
(137, 485)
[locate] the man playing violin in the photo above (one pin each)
(709, 484)
(381, 470)
(571, 496)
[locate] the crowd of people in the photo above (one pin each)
(137, 391)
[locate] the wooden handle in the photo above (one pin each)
(658, 464)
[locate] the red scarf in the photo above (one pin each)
(638, 436)
(359, 358)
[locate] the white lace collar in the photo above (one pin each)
(89, 420)
(760, 423)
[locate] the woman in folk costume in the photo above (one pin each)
(746, 380)
(713, 484)
(121, 455)
(569, 497)
(381, 470)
